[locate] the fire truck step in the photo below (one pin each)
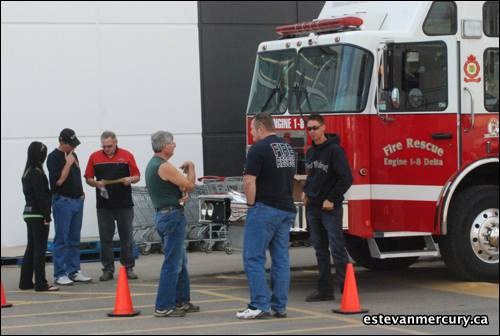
(431, 249)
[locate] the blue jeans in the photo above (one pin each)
(325, 228)
(68, 216)
(267, 228)
(174, 277)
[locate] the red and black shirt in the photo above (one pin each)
(102, 167)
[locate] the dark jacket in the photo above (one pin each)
(37, 193)
(328, 173)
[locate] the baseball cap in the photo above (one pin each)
(68, 136)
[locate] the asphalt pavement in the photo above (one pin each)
(220, 288)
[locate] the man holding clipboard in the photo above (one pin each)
(111, 171)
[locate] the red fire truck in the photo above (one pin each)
(412, 90)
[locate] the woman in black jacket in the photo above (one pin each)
(37, 217)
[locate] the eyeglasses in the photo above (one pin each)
(107, 146)
(313, 128)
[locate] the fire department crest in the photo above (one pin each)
(472, 68)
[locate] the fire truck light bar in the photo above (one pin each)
(319, 25)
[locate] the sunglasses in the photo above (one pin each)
(313, 128)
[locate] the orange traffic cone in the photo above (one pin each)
(5, 304)
(123, 302)
(350, 299)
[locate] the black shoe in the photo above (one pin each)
(280, 314)
(320, 296)
(174, 312)
(189, 307)
(131, 275)
(47, 288)
(106, 276)
(26, 287)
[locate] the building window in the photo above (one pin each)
(490, 18)
(441, 19)
(491, 69)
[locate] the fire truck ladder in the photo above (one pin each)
(430, 249)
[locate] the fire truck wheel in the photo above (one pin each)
(360, 253)
(470, 249)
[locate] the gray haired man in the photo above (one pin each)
(114, 169)
(166, 186)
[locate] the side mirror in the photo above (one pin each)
(395, 98)
(387, 66)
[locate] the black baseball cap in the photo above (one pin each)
(68, 136)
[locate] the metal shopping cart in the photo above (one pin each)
(217, 208)
(204, 234)
(143, 227)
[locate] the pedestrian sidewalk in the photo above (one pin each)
(148, 267)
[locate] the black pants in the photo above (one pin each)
(34, 257)
(106, 220)
(327, 238)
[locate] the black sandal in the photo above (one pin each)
(48, 289)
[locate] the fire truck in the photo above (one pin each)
(412, 90)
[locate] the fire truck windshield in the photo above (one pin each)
(332, 78)
(271, 81)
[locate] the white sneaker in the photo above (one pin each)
(80, 277)
(249, 314)
(64, 281)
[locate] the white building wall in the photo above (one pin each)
(131, 67)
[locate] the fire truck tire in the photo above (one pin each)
(360, 253)
(466, 249)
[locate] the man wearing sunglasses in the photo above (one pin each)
(117, 166)
(328, 178)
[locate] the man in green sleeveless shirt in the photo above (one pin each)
(167, 186)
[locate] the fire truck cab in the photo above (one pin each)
(412, 89)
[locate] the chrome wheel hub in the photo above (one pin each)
(484, 236)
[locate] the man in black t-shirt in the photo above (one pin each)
(268, 183)
(67, 204)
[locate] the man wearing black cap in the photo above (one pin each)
(67, 203)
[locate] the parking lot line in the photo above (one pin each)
(107, 295)
(45, 294)
(231, 277)
(53, 324)
(308, 330)
(79, 299)
(314, 314)
(210, 287)
(302, 311)
(211, 325)
(5, 317)
(481, 289)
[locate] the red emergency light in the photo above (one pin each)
(320, 26)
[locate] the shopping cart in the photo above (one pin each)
(220, 184)
(143, 227)
(213, 234)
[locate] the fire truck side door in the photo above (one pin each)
(414, 140)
